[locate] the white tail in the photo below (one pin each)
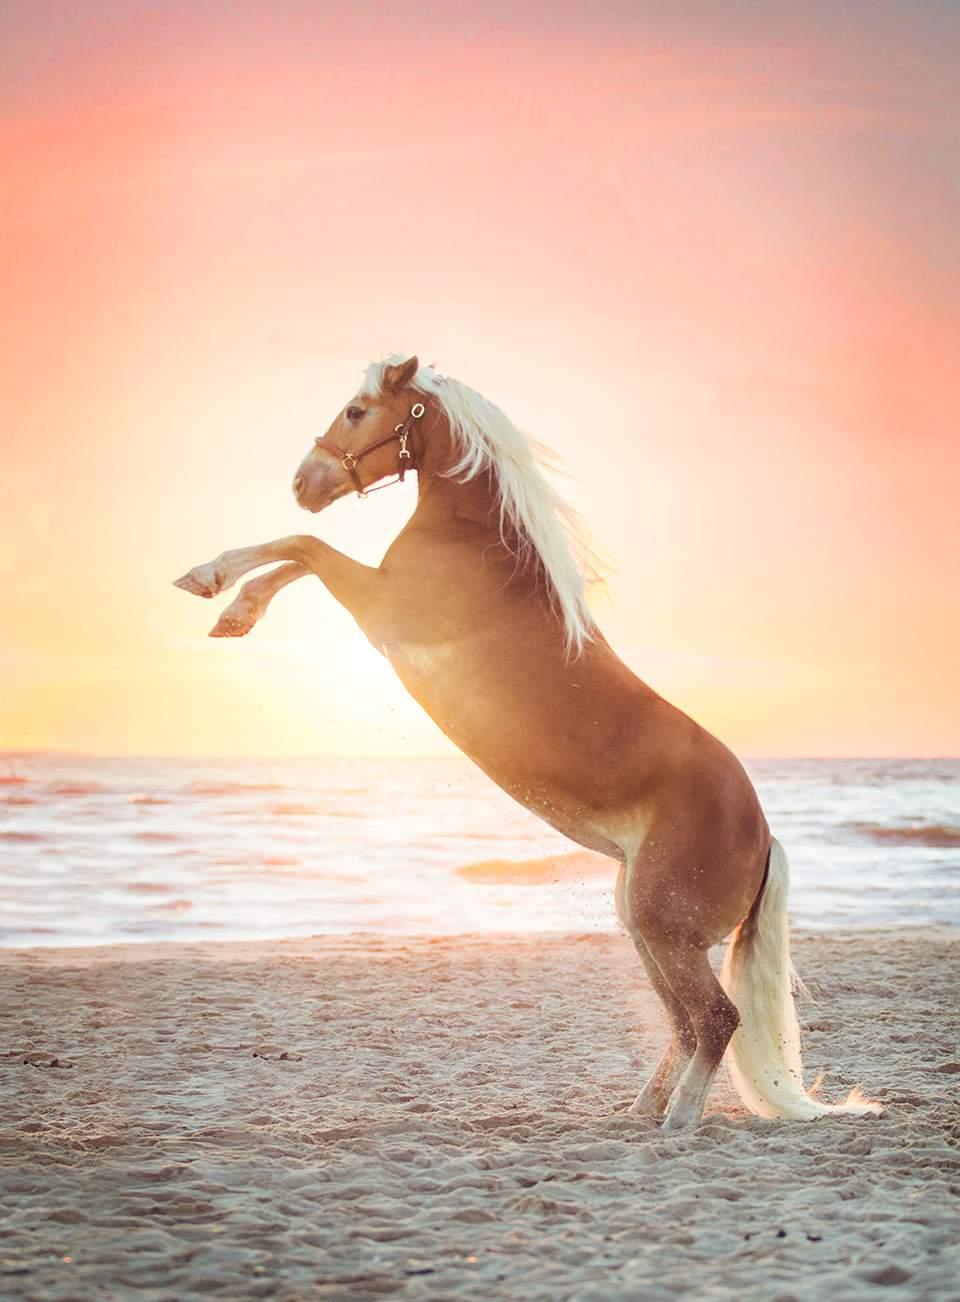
(763, 1057)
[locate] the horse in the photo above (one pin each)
(480, 606)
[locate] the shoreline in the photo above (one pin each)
(129, 951)
(355, 1117)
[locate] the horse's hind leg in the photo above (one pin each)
(686, 969)
(653, 1098)
(655, 1095)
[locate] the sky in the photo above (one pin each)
(708, 253)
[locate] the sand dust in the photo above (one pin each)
(444, 1119)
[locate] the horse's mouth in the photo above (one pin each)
(320, 504)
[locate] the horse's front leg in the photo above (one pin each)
(350, 582)
(224, 570)
(250, 604)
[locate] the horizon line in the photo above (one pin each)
(13, 753)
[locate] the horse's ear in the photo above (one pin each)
(399, 376)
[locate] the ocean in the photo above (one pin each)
(95, 851)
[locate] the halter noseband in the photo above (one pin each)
(350, 460)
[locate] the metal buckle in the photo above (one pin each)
(348, 461)
(404, 450)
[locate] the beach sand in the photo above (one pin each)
(354, 1118)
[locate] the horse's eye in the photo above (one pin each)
(355, 413)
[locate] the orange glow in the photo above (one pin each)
(713, 261)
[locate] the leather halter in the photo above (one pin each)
(350, 460)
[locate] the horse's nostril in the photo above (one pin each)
(298, 485)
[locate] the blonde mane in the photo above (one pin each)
(540, 528)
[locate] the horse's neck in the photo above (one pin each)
(473, 500)
(440, 496)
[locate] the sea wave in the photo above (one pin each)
(231, 788)
(939, 836)
(545, 871)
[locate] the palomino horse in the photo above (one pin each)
(479, 604)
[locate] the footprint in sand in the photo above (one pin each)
(44, 1061)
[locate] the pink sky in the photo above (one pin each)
(712, 258)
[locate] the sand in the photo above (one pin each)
(445, 1119)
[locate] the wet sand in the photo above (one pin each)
(445, 1118)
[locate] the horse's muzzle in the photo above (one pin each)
(314, 487)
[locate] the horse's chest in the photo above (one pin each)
(432, 662)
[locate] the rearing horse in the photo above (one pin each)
(479, 604)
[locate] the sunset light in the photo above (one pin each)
(718, 276)
(539, 879)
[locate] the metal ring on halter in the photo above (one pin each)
(417, 410)
(348, 461)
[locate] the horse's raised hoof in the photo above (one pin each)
(237, 620)
(202, 581)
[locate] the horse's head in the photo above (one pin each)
(364, 444)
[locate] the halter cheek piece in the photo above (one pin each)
(350, 460)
